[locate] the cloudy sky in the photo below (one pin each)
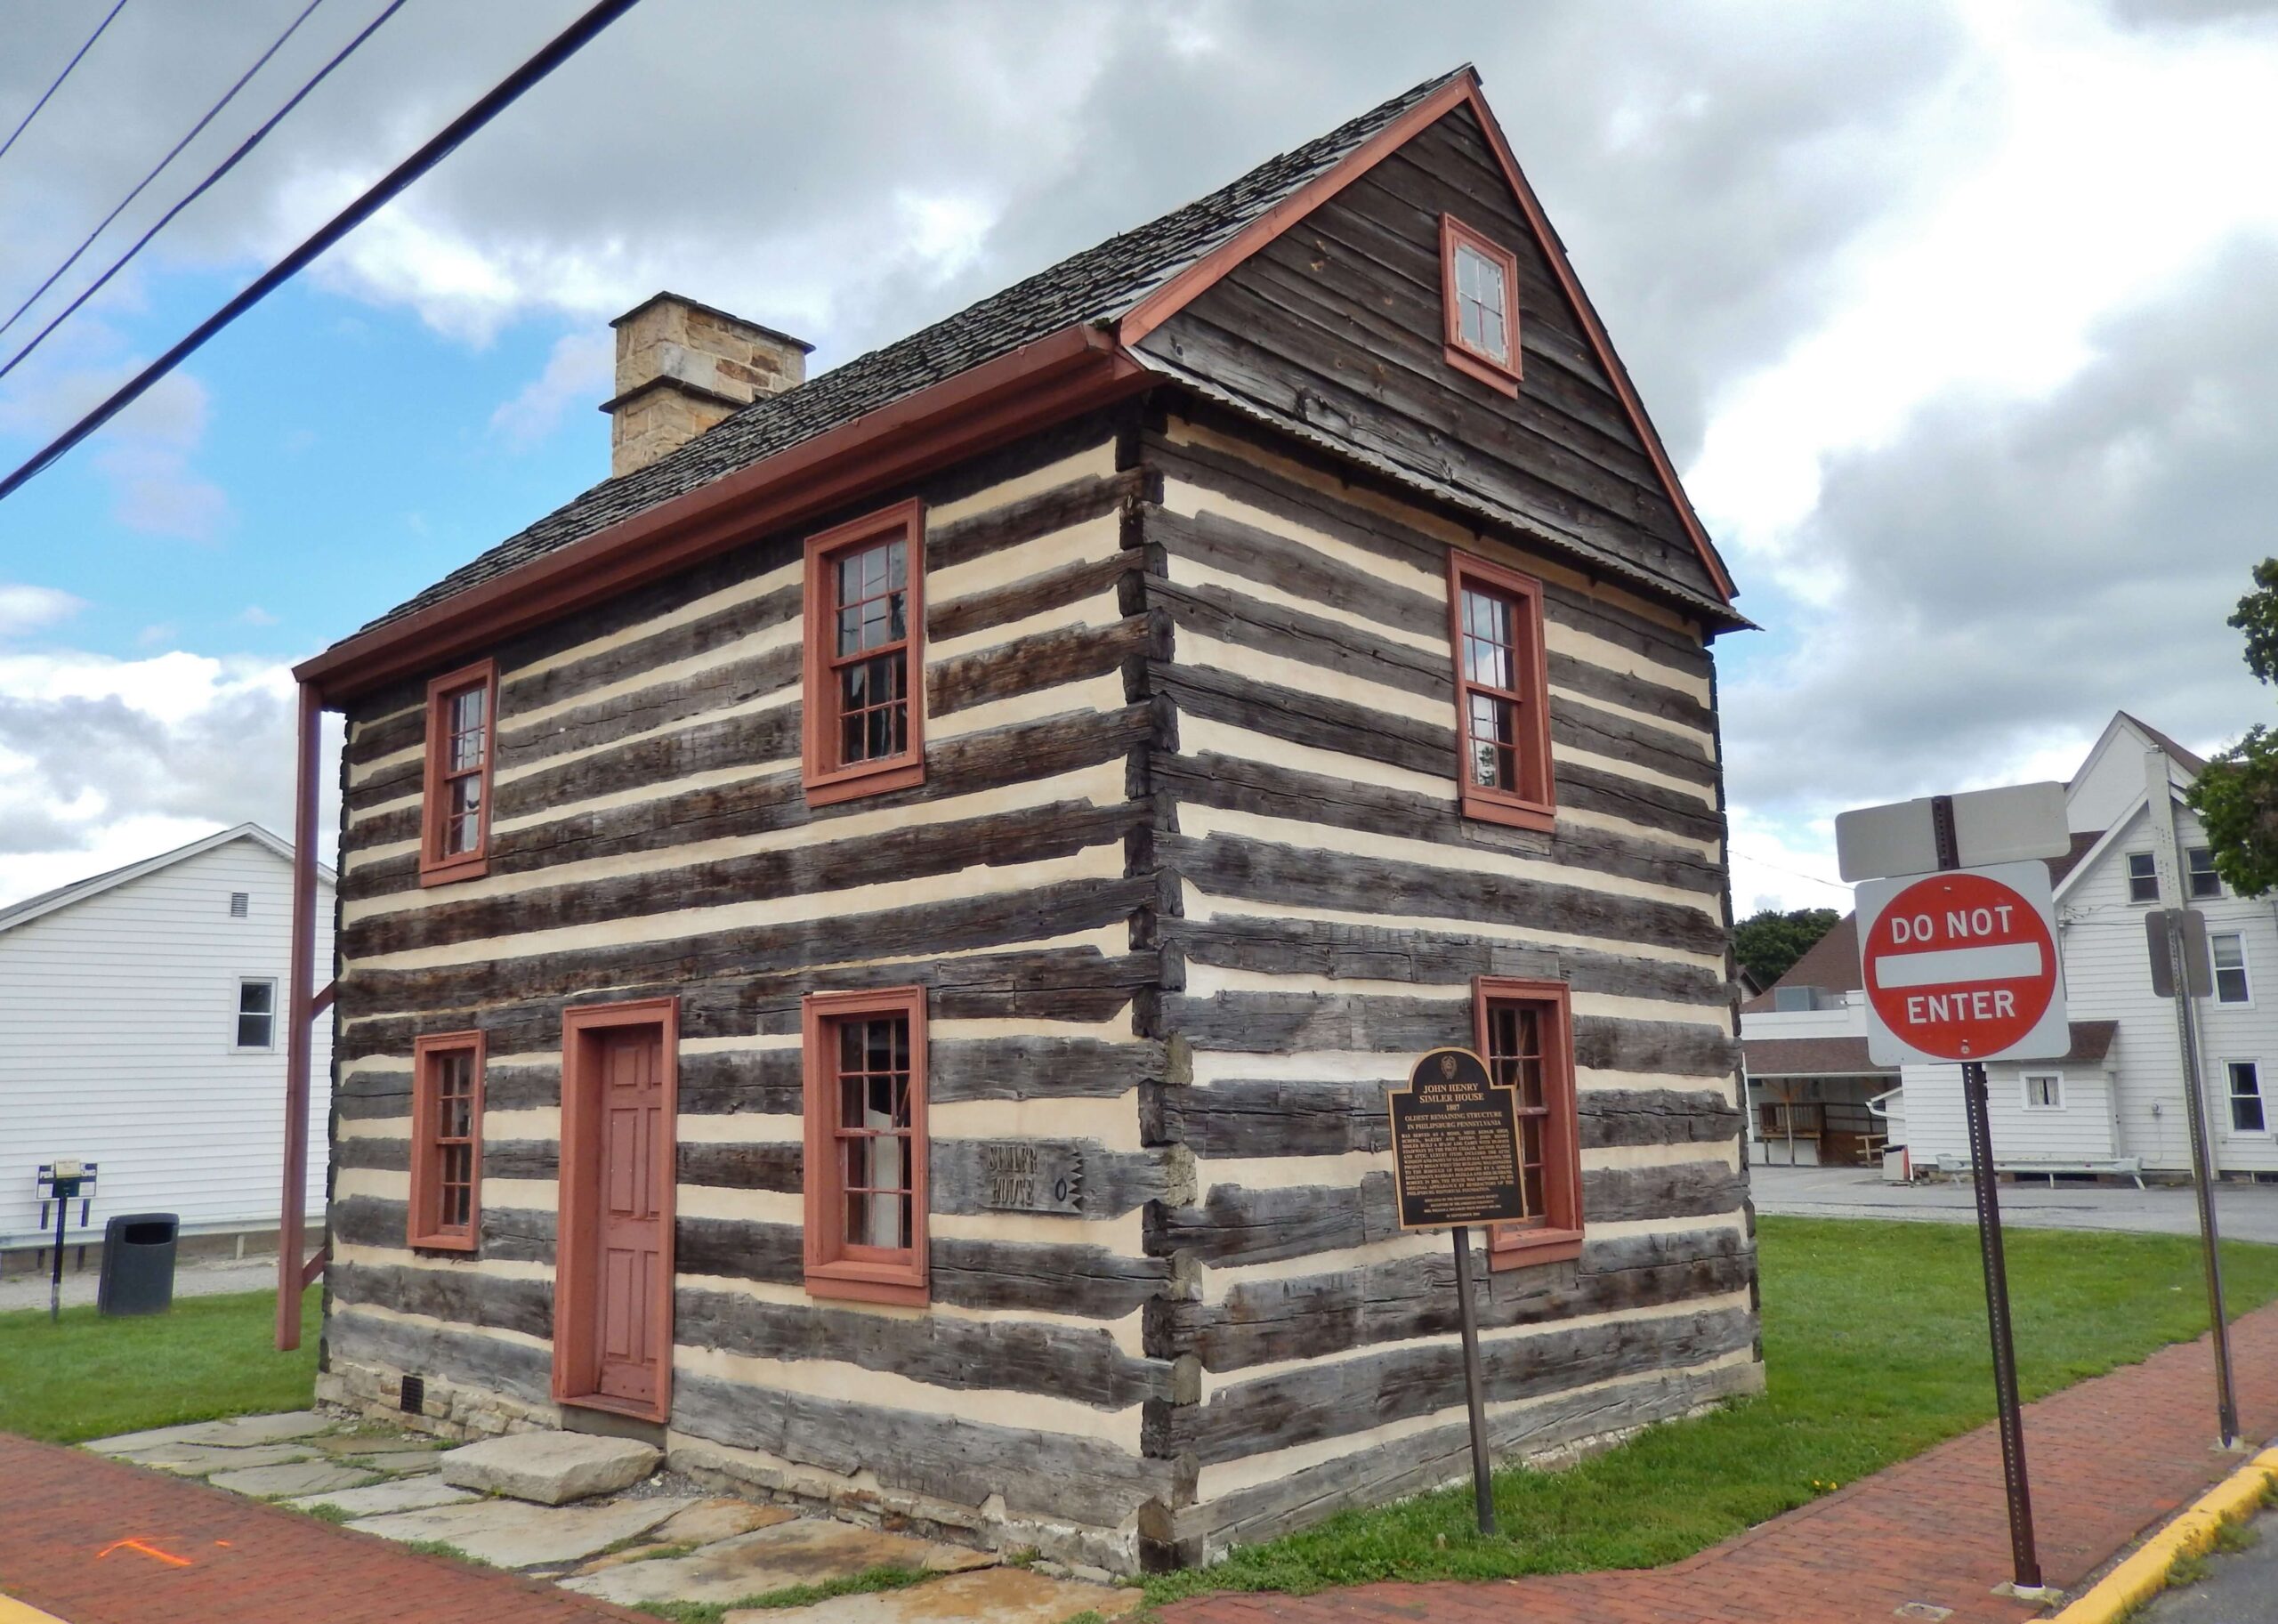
(1958, 320)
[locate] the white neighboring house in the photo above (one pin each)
(143, 1029)
(2115, 1102)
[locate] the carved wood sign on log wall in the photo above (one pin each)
(1022, 1175)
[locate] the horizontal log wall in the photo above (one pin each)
(651, 837)
(1326, 910)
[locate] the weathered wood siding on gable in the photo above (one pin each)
(650, 836)
(1326, 910)
(1338, 326)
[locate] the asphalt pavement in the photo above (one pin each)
(2241, 1587)
(2243, 1212)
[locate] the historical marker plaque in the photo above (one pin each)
(1455, 1144)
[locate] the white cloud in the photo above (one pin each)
(576, 378)
(27, 608)
(253, 614)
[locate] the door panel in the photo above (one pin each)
(631, 1241)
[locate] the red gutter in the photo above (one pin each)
(292, 1273)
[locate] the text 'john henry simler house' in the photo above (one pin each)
(872, 942)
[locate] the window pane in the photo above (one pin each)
(2143, 877)
(2205, 883)
(1494, 739)
(252, 1032)
(256, 998)
(2246, 1097)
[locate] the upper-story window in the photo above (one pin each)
(2229, 955)
(2200, 880)
(256, 1031)
(1480, 286)
(865, 694)
(455, 828)
(1502, 693)
(2143, 877)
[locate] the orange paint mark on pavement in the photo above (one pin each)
(169, 1557)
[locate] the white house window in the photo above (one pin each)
(238, 901)
(2143, 877)
(2044, 1091)
(256, 1013)
(2246, 1098)
(2203, 883)
(2230, 969)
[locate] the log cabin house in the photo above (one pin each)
(871, 944)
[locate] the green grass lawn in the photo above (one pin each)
(1875, 1349)
(91, 1377)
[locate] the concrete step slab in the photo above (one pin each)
(550, 1468)
(998, 1596)
(516, 1534)
(805, 1551)
(389, 1496)
(318, 1476)
(231, 1432)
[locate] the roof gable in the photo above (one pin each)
(79, 891)
(1366, 260)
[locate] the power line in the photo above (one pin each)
(211, 113)
(556, 52)
(202, 188)
(60, 77)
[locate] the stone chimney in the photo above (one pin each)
(681, 367)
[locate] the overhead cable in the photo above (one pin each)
(22, 123)
(195, 130)
(556, 52)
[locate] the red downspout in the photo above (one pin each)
(300, 1018)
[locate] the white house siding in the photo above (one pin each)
(117, 1013)
(2107, 978)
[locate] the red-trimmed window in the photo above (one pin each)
(455, 821)
(1502, 693)
(1525, 1033)
(866, 656)
(445, 1140)
(866, 1147)
(1479, 284)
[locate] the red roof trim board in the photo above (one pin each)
(1461, 90)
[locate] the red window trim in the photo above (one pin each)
(425, 1228)
(1461, 354)
(827, 780)
(1481, 800)
(435, 869)
(576, 1267)
(1512, 1246)
(834, 1270)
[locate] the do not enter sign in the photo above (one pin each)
(1962, 966)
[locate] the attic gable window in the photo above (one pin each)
(865, 668)
(1480, 286)
(455, 821)
(2143, 877)
(1502, 694)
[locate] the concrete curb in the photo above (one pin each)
(2144, 1574)
(13, 1611)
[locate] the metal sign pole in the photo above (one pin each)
(2202, 1180)
(2024, 1559)
(55, 1274)
(1482, 1487)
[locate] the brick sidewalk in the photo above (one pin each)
(2108, 1459)
(206, 1556)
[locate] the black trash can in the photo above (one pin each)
(138, 1264)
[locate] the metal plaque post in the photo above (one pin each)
(1482, 1487)
(2026, 1559)
(2202, 1181)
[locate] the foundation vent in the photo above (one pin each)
(413, 1400)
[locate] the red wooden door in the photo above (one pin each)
(631, 1109)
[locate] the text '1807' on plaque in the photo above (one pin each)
(1455, 1144)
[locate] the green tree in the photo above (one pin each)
(2236, 798)
(1767, 943)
